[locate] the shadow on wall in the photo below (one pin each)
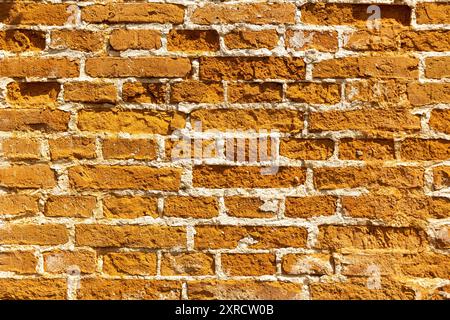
(9, 13)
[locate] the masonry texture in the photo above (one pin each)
(351, 201)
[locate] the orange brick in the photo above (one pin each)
(306, 149)
(252, 237)
(193, 40)
(318, 93)
(250, 68)
(441, 177)
(143, 67)
(70, 206)
(38, 176)
(428, 93)
(191, 207)
(443, 237)
(255, 92)
(371, 177)
(425, 149)
(440, 120)
(333, 237)
(129, 207)
(72, 148)
(33, 94)
(70, 262)
(31, 13)
(249, 39)
(32, 234)
(132, 121)
(256, 264)
(51, 68)
(21, 262)
(90, 92)
(80, 40)
(132, 236)
(377, 92)
(302, 40)
(437, 67)
(33, 289)
(187, 264)
(316, 264)
(382, 39)
(129, 263)
(216, 176)
(21, 149)
(140, 92)
(124, 177)
(255, 13)
(21, 40)
(139, 149)
(366, 149)
(121, 40)
(196, 92)
(34, 120)
(18, 204)
(353, 14)
(250, 207)
(244, 290)
(433, 13)
(133, 13)
(306, 207)
(368, 67)
(429, 40)
(284, 120)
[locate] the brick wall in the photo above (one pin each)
(224, 149)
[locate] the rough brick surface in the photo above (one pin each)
(199, 149)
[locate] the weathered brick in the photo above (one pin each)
(197, 92)
(250, 39)
(441, 177)
(187, 264)
(132, 236)
(22, 262)
(307, 207)
(440, 120)
(33, 234)
(33, 94)
(425, 149)
(332, 237)
(130, 121)
(250, 68)
(143, 67)
(72, 148)
(353, 14)
(382, 39)
(69, 262)
(18, 204)
(21, 149)
(284, 120)
(33, 13)
(90, 92)
(216, 176)
(252, 237)
(443, 237)
(121, 40)
(318, 93)
(437, 67)
(316, 264)
(255, 92)
(70, 206)
(33, 289)
(429, 40)
(33, 120)
(124, 177)
(428, 93)
(193, 40)
(191, 207)
(371, 177)
(129, 207)
(366, 149)
(51, 68)
(140, 92)
(130, 263)
(79, 40)
(377, 92)
(306, 149)
(133, 13)
(302, 40)
(139, 149)
(128, 289)
(244, 290)
(21, 40)
(37, 176)
(433, 13)
(251, 207)
(248, 264)
(255, 13)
